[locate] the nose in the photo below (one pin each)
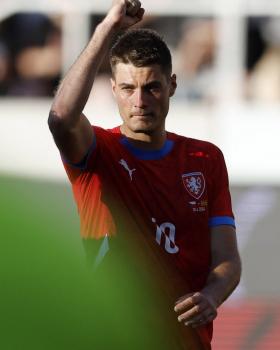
(140, 99)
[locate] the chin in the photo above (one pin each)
(144, 131)
(143, 128)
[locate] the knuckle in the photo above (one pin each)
(197, 308)
(193, 300)
(187, 315)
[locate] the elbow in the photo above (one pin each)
(238, 270)
(59, 121)
(237, 279)
(55, 121)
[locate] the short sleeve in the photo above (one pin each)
(88, 163)
(220, 207)
(96, 220)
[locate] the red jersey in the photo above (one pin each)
(171, 197)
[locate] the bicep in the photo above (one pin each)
(224, 244)
(73, 142)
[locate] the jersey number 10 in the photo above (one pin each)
(166, 230)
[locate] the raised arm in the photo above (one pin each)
(71, 130)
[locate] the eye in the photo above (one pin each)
(127, 89)
(154, 88)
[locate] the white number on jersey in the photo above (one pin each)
(167, 230)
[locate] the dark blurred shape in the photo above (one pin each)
(255, 44)
(33, 45)
(263, 59)
(4, 67)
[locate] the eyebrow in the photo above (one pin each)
(125, 85)
(154, 83)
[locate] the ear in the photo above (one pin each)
(173, 84)
(113, 85)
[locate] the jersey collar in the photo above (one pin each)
(148, 154)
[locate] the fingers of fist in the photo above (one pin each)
(132, 7)
(195, 310)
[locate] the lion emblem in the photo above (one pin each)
(194, 184)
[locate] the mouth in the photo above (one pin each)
(142, 115)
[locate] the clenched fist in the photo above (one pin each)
(125, 13)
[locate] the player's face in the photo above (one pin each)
(142, 95)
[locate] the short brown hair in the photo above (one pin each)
(141, 47)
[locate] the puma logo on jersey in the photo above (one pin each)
(125, 165)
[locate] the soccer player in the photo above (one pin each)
(167, 196)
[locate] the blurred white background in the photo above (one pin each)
(226, 94)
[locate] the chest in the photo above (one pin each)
(173, 189)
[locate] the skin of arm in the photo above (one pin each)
(199, 308)
(71, 130)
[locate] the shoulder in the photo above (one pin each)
(101, 131)
(195, 147)
(106, 135)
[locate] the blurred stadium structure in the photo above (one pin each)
(235, 104)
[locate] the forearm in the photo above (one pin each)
(222, 280)
(197, 309)
(75, 88)
(72, 132)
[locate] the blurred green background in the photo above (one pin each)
(50, 299)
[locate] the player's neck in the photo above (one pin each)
(145, 141)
